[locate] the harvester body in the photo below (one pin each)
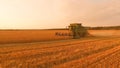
(77, 30)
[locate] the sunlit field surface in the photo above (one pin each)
(100, 50)
(23, 36)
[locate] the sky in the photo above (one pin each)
(47, 14)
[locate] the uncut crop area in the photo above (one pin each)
(89, 52)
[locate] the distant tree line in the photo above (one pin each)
(95, 28)
(104, 28)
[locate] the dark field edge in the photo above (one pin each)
(46, 29)
(86, 27)
(32, 29)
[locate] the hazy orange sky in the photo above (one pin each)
(44, 14)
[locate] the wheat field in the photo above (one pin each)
(16, 36)
(98, 51)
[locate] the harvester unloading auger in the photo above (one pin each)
(77, 30)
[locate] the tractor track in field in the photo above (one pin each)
(107, 59)
(93, 61)
(50, 46)
(104, 57)
(89, 41)
(79, 56)
(68, 45)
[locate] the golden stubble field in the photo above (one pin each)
(102, 50)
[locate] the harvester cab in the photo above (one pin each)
(77, 30)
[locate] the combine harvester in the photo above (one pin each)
(77, 30)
